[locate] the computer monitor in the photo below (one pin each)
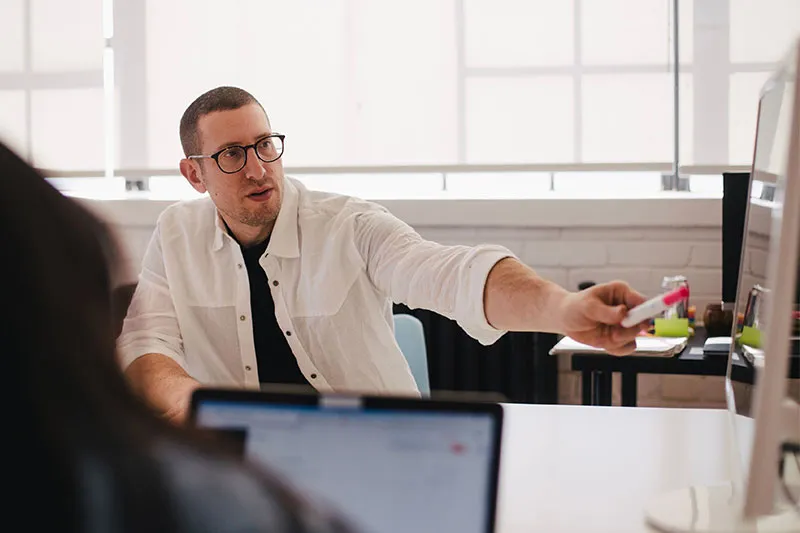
(771, 318)
(738, 190)
(766, 297)
(388, 465)
(735, 195)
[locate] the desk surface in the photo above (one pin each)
(691, 361)
(588, 469)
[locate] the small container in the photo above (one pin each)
(739, 322)
(718, 321)
(680, 309)
(752, 312)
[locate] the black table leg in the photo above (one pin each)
(629, 392)
(601, 388)
(586, 387)
(607, 387)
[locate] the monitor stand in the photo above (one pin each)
(714, 509)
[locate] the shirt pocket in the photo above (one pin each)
(205, 287)
(324, 284)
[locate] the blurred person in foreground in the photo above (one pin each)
(86, 454)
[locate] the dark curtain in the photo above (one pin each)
(517, 366)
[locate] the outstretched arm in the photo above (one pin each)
(517, 299)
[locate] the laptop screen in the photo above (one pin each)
(388, 468)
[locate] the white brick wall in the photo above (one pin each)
(706, 255)
(640, 256)
(648, 253)
(638, 278)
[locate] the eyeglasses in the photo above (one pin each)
(232, 159)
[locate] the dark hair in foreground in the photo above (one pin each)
(217, 99)
(85, 453)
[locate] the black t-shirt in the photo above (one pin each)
(276, 362)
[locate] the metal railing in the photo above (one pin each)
(137, 179)
(429, 169)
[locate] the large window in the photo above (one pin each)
(349, 82)
(51, 82)
(760, 32)
(558, 87)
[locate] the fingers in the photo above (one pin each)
(177, 416)
(625, 349)
(618, 340)
(609, 303)
(625, 338)
(618, 293)
(622, 335)
(633, 298)
(610, 315)
(604, 341)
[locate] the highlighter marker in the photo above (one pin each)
(654, 307)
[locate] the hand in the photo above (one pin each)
(162, 384)
(593, 317)
(177, 413)
(177, 410)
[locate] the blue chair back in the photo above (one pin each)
(410, 336)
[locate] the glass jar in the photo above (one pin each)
(680, 309)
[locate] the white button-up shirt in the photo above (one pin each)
(335, 265)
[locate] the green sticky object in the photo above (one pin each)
(672, 327)
(750, 337)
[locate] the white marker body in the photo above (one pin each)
(651, 308)
(655, 306)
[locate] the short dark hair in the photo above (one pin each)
(218, 99)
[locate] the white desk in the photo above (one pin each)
(582, 469)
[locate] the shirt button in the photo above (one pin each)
(275, 282)
(247, 368)
(242, 318)
(240, 266)
(288, 333)
(313, 376)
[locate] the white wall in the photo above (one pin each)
(566, 240)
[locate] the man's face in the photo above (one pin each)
(250, 197)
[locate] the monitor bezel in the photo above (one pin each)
(771, 386)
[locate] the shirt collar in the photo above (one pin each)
(219, 231)
(283, 241)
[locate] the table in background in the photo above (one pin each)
(597, 369)
(570, 468)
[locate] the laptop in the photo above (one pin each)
(388, 464)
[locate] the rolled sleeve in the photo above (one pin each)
(448, 280)
(470, 310)
(151, 325)
(133, 345)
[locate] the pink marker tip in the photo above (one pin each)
(679, 294)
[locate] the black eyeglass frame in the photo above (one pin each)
(215, 155)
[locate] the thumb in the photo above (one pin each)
(611, 315)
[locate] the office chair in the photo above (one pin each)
(410, 336)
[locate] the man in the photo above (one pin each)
(265, 281)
